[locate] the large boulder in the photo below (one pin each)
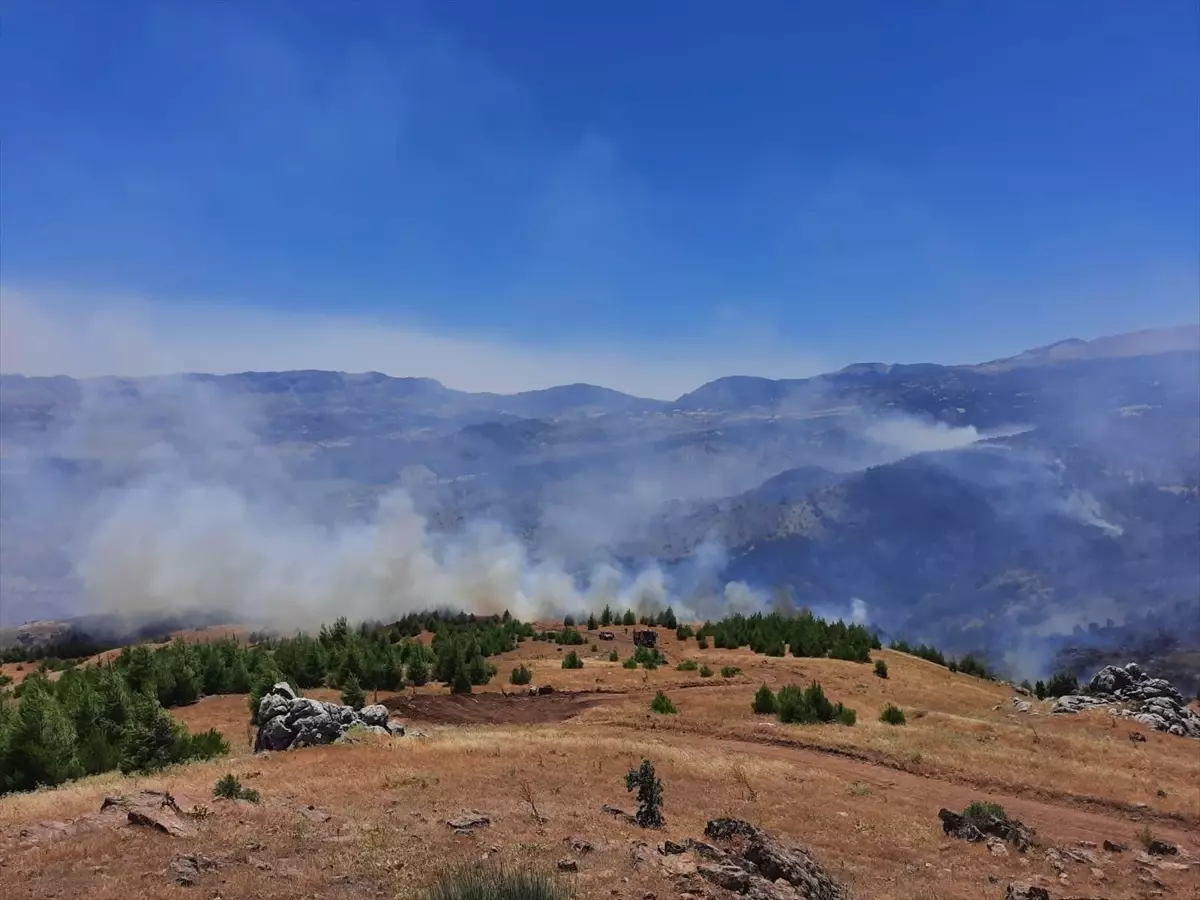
(288, 722)
(1130, 692)
(375, 715)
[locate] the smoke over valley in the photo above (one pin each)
(1010, 509)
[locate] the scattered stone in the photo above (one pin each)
(579, 845)
(1026, 892)
(1086, 845)
(1173, 866)
(313, 814)
(288, 722)
(187, 869)
(679, 866)
(1114, 847)
(668, 848)
(151, 809)
(566, 864)
(1137, 737)
(468, 820)
(725, 875)
(1021, 706)
(1097, 873)
(997, 847)
(619, 813)
(1161, 848)
(1087, 857)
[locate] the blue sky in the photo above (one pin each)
(640, 194)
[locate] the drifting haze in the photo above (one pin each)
(47, 336)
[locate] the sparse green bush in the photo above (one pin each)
(352, 693)
(229, 788)
(764, 701)
(662, 704)
(688, 665)
(981, 812)
(881, 669)
(706, 672)
(892, 715)
(592, 624)
(649, 793)
(806, 706)
(572, 661)
(613, 656)
(478, 881)
(460, 681)
(1061, 684)
(730, 671)
(702, 643)
(630, 663)
(520, 675)
(683, 632)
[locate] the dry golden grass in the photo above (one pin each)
(857, 796)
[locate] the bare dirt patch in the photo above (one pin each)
(492, 708)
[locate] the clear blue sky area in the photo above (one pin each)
(865, 180)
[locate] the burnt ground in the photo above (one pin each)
(493, 708)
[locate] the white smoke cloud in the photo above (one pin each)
(171, 545)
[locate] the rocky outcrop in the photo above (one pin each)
(288, 722)
(754, 863)
(155, 810)
(975, 826)
(1129, 692)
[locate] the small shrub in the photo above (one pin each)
(702, 643)
(520, 675)
(881, 668)
(807, 706)
(688, 665)
(1061, 684)
(705, 672)
(476, 881)
(649, 792)
(892, 715)
(352, 693)
(630, 663)
(203, 745)
(1146, 837)
(683, 632)
(980, 813)
(662, 704)
(229, 788)
(730, 671)
(764, 701)
(572, 661)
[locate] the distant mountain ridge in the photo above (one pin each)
(1050, 497)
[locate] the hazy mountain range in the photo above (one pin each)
(1010, 506)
